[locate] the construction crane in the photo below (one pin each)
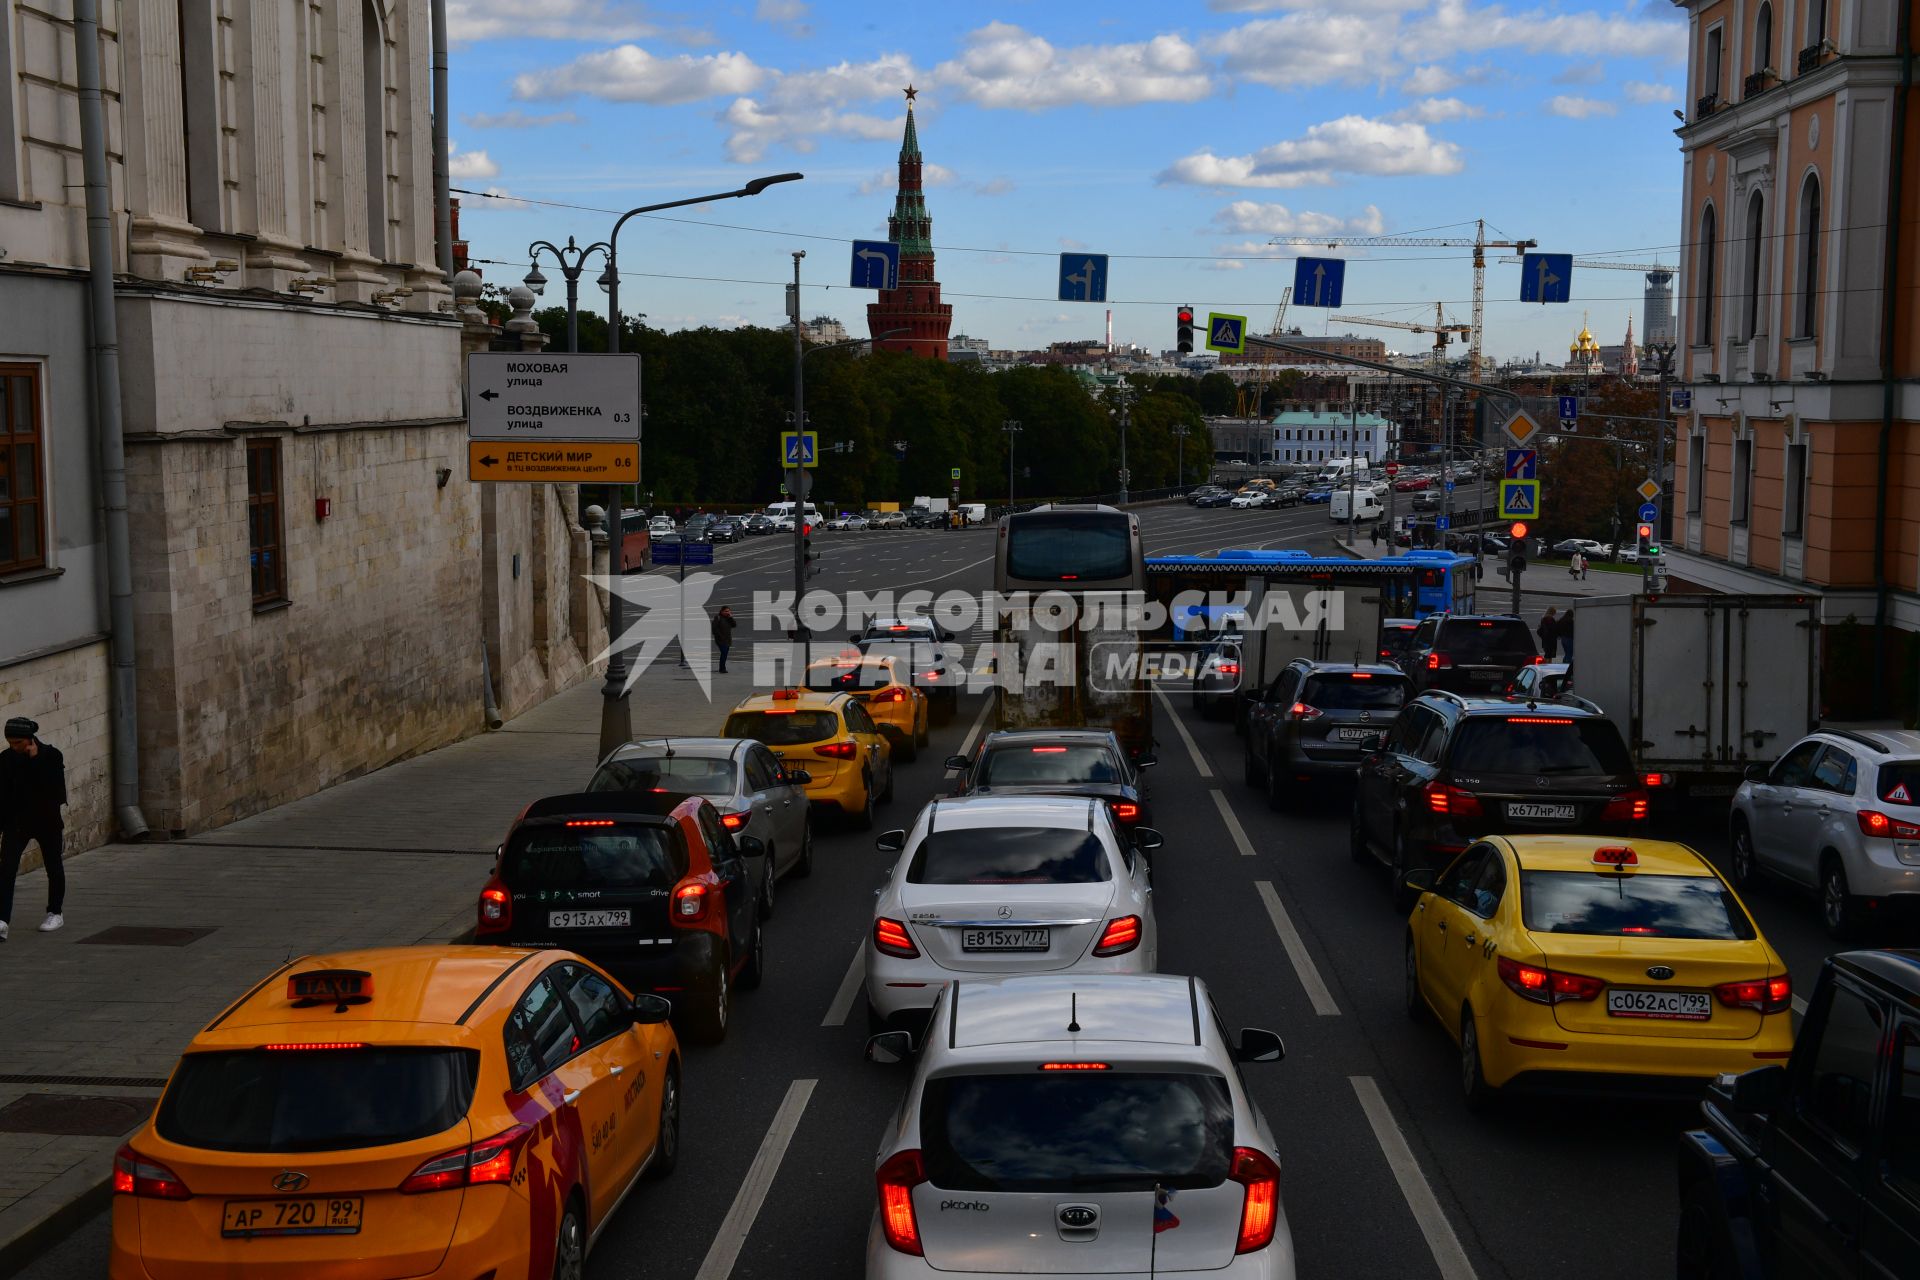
(1280, 313)
(1608, 264)
(1442, 331)
(1479, 244)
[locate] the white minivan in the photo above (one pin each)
(1355, 504)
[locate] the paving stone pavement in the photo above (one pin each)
(392, 858)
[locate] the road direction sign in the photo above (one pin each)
(1083, 277)
(1226, 333)
(1318, 282)
(799, 448)
(1546, 277)
(1649, 512)
(1449, 486)
(1648, 489)
(1569, 408)
(876, 264)
(531, 396)
(1523, 464)
(1520, 428)
(1443, 523)
(1519, 499)
(554, 461)
(954, 474)
(1680, 399)
(696, 553)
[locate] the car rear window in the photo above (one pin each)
(1076, 1131)
(1631, 905)
(1009, 855)
(623, 856)
(1899, 782)
(1093, 547)
(695, 775)
(832, 677)
(1503, 640)
(1361, 691)
(783, 728)
(286, 1100)
(1031, 765)
(1539, 744)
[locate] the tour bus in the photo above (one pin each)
(1093, 675)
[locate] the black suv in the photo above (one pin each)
(1312, 721)
(1469, 652)
(1455, 768)
(1813, 1168)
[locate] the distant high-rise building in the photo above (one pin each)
(1657, 322)
(914, 306)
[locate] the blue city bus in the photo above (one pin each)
(1414, 584)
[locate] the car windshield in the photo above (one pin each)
(1631, 905)
(1080, 1131)
(783, 728)
(695, 775)
(1046, 547)
(1540, 744)
(617, 856)
(1899, 782)
(1009, 855)
(288, 1100)
(1355, 691)
(1504, 640)
(1022, 766)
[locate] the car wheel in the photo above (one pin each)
(863, 820)
(925, 735)
(1474, 1088)
(1250, 771)
(1357, 847)
(766, 889)
(1699, 1253)
(1740, 861)
(1839, 909)
(1411, 999)
(803, 865)
(666, 1147)
(1397, 865)
(754, 971)
(907, 749)
(570, 1246)
(707, 1021)
(886, 793)
(1280, 789)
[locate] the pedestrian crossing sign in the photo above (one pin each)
(1519, 499)
(799, 448)
(1226, 333)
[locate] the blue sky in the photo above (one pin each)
(1178, 138)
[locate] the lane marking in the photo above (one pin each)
(979, 722)
(1193, 748)
(734, 1228)
(849, 987)
(1234, 829)
(1800, 1006)
(1303, 966)
(1448, 1256)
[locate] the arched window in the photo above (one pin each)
(1763, 38)
(1704, 295)
(1809, 257)
(1756, 260)
(373, 94)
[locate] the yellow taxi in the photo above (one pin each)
(416, 1111)
(1580, 961)
(876, 683)
(831, 737)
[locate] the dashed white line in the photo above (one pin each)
(849, 987)
(979, 723)
(1442, 1243)
(1800, 1006)
(1303, 967)
(734, 1228)
(1193, 748)
(1234, 829)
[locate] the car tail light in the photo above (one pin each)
(890, 938)
(1874, 823)
(733, 821)
(1547, 986)
(471, 1166)
(1076, 1066)
(1765, 995)
(1438, 661)
(138, 1175)
(1301, 711)
(1125, 811)
(1122, 935)
(893, 694)
(1452, 801)
(903, 1171)
(837, 750)
(1047, 751)
(1538, 659)
(1628, 806)
(1228, 668)
(496, 908)
(1653, 780)
(591, 822)
(1260, 1212)
(691, 901)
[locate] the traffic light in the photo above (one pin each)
(1184, 329)
(1645, 532)
(1519, 530)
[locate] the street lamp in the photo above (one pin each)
(1011, 427)
(1180, 457)
(572, 261)
(616, 720)
(1122, 396)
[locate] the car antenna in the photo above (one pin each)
(1073, 1018)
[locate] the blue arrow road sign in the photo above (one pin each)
(1649, 512)
(1318, 282)
(1519, 498)
(1083, 277)
(1546, 277)
(876, 264)
(1569, 408)
(1522, 464)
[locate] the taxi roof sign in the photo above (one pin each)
(337, 987)
(1616, 856)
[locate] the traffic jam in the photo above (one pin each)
(1063, 1101)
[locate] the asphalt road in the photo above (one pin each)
(1384, 1173)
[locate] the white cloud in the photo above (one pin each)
(799, 106)
(1439, 111)
(1573, 108)
(1251, 217)
(1355, 6)
(628, 73)
(469, 20)
(467, 165)
(1305, 49)
(1647, 93)
(780, 11)
(1226, 264)
(517, 119)
(1454, 26)
(995, 187)
(1005, 66)
(1433, 79)
(1351, 144)
(931, 175)
(1582, 73)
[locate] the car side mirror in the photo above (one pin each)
(890, 1048)
(648, 1009)
(1148, 838)
(959, 762)
(1420, 880)
(1755, 773)
(891, 841)
(1257, 1045)
(1759, 1090)
(798, 777)
(750, 846)
(1146, 761)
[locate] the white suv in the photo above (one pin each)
(1840, 813)
(1085, 1125)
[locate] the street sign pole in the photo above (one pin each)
(800, 498)
(1515, 572)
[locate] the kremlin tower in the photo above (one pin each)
(1630, 357)
(915, 306)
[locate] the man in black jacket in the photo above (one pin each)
(33, 786)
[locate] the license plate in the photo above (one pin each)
(1484, 677)
(1711, 790)
(1003, 940)
(1354, 735)
(589, 919)
(1672, 1006)
(312, 1216)
(1562, 811)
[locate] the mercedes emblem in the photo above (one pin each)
(1659, 972)
(1006, 913)
(289, 1180)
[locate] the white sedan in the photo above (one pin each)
(1246, 501)
(989, 886)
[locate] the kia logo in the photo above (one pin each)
(1660, 972)
(288, 1180)
(1078, 1217)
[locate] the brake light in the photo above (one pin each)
(1360, 675)
(837, 750)
(1124, 811)
(1765, 995)
(1547, 986)
(1437, 661)
(691, 901)
(1539, 720)
(1122, 935)
(138, 1175)
(1628, 806)
(1301, 711)
(733, 821)
(313, 1046)
(1075, 1066)
(1873, 823)
(1453, 801)
(1538, 659)
(892, 694)
(1652, 780)
(589, 822)
(470, 1166)
(899, 628)
(1259, 1213)
(1228, 668)
(890, 938)
(903, 1171)
(1047, 751)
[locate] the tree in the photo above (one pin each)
(1219, 395)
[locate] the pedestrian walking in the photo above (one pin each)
(1585, 564)
(723, 625)
(1549, 633)
(1566, 636)
(1573, 565)
(33, 786)
(1373, 531)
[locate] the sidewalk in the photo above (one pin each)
(95, 1016)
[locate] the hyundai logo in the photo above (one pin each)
(1079, 1217)
(289, 1180)
(1660, 972)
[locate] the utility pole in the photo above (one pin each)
(1353, 471)
(1011, 428)
(798, 489)
(1180, 457)
(1122, 394)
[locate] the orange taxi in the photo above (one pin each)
(462, 1112)
(877, 683)
(848, 761)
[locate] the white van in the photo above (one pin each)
(1360, 504)
(784, 510)
(1336, 470)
